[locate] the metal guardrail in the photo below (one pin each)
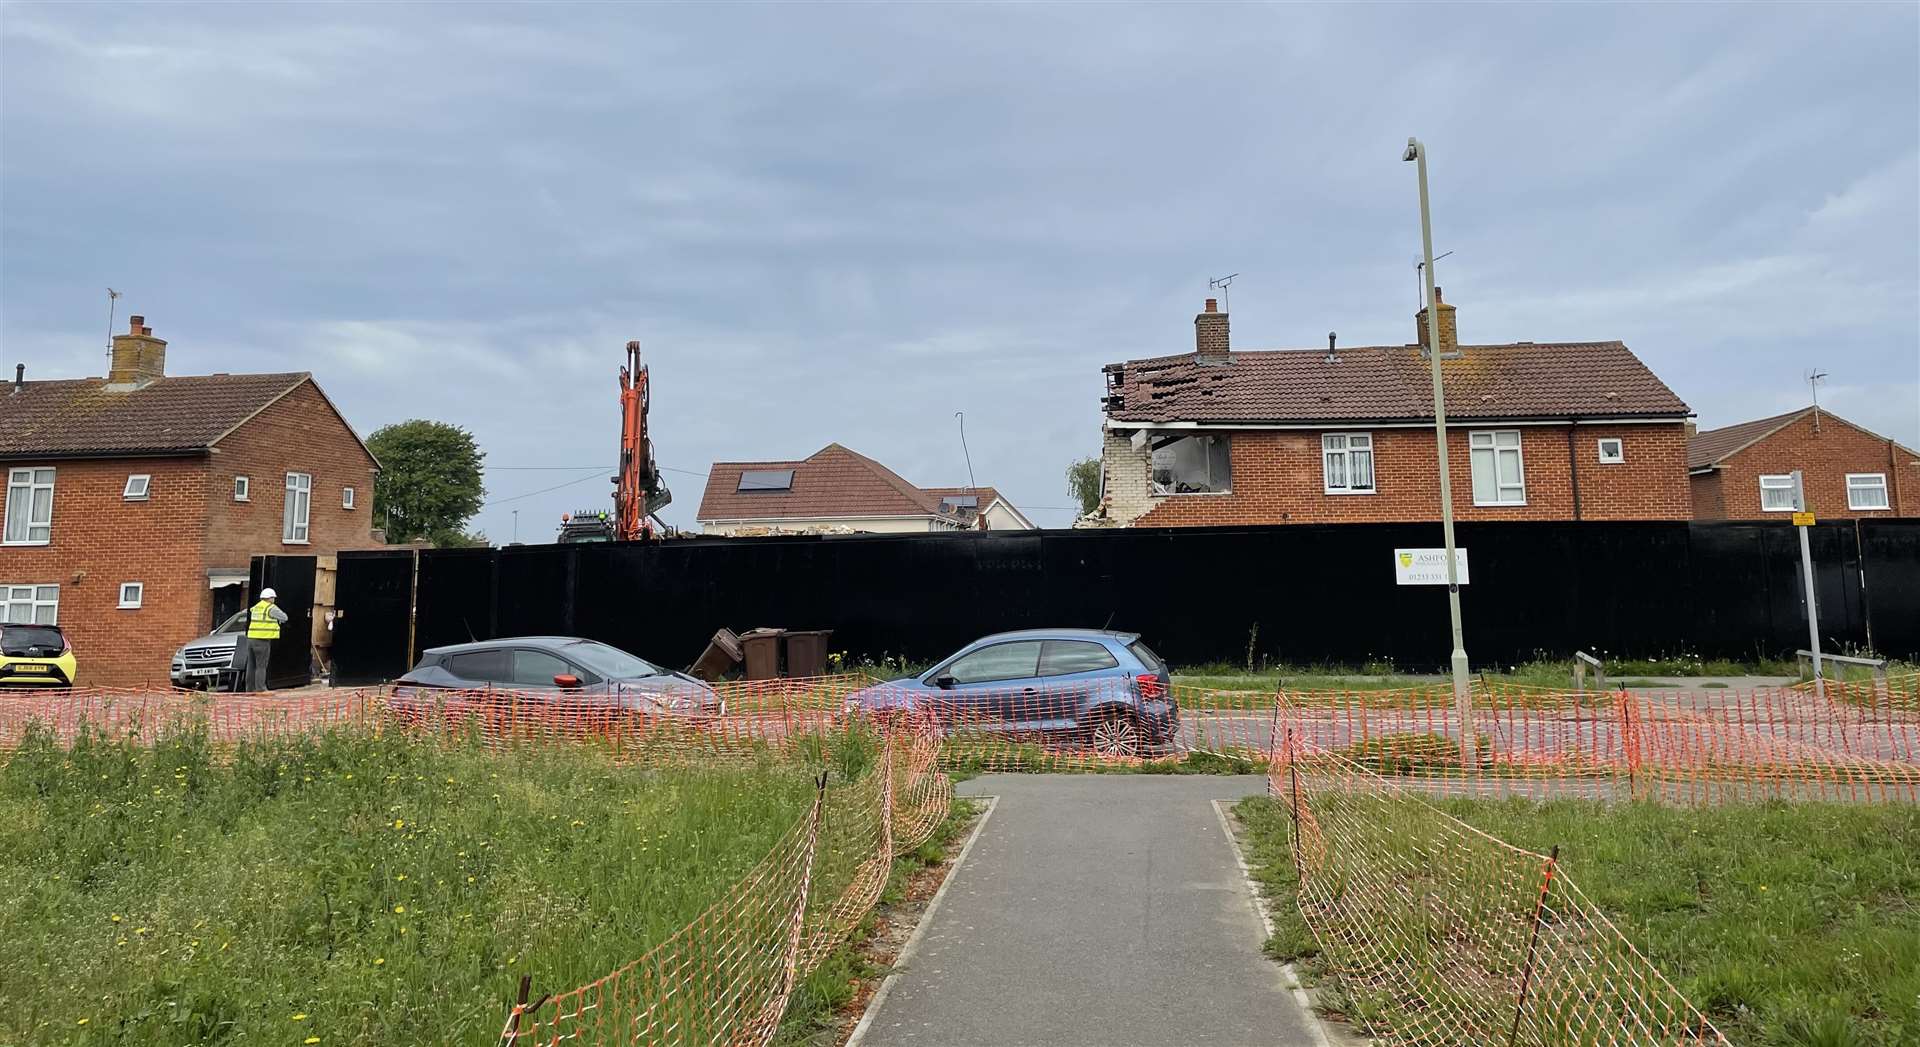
(1878, 665)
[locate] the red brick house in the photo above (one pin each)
(1745, 471)
(134, 504)
(1536, 431)
(839, 490)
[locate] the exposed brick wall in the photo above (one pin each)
(100, 540)
(299, 433)
(1824, 457)
(188, 525)
(1278, 478)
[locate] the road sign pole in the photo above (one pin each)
(1802, 523)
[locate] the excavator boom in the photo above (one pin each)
(638, 491)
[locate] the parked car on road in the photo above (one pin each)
(1105, 690)
(206, 663)
(564, 675)
(35, 656)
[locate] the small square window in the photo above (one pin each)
(131, 594)
(346, 497)
(1867, 491)
(1776, 493)
(240, 489)
(136, 489)
(1612, 451)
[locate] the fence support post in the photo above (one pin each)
(1293, 778)
(1533, 943)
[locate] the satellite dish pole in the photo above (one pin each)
(1814, 378)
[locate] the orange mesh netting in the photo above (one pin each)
(1444, 935)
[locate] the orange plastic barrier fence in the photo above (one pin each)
(1444, 935)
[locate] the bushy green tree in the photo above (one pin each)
(429, 484)
(1083, 482)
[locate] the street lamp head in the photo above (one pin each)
(1413, 150)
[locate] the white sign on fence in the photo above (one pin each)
(1427, 566)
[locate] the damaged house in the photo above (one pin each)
(1535, 431)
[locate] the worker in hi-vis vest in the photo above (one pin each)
(263, 627)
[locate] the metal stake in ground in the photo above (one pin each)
(1462, 700)
(1293, 776)
(1533, 943)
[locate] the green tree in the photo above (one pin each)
(1083, 482)
(429, 483)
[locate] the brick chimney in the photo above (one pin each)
(1449, 333)
(1210, 336)
(138, 357)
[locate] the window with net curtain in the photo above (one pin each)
(1193, 465)
(1347, 462)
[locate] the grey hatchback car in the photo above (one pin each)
(561, 673)
(1102, 690)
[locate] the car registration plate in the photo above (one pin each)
(202, 672)
(31, 669)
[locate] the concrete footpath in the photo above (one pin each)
(1094, 910)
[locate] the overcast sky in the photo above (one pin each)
(848, 222)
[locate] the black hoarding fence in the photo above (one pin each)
(1295, 594)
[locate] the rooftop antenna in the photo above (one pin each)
(1220, 283)
(113, 299)
(1419, 285)
(1814, 378)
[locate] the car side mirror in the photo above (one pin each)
(945, 682)
(566, 681)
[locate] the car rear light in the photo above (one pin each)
(1151, 686)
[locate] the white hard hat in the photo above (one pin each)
(268, 594)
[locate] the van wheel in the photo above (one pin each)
(1115, 734)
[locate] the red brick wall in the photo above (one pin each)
(100, 540)
(1708, 497)
(188, 524)
(1277, 478)
(300, 433)
(1825, 458)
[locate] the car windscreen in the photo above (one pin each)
(31, 641)
(235, 624)
(611, 662)
(1147, 657)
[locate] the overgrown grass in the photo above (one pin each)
(1787, 924)
(1540, 672)
(348, 887)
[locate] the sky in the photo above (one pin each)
(850, 222)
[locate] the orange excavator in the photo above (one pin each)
(638, 491)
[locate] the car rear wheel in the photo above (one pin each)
(1115, 733)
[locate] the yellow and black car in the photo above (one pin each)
(35, 656)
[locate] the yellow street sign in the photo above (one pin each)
(1803, 519)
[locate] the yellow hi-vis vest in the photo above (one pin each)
(260, 623)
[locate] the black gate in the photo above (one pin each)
(291, 579)
(373, 607)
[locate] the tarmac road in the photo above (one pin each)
(1095, 910)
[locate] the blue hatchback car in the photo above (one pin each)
(1105, 690)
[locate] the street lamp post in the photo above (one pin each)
(1462, 704)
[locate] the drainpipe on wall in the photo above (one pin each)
(1573, 467)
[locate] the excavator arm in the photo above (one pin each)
(638, 491)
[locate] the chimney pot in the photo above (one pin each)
(1332, 353)
(19, 377)
(1213, 305)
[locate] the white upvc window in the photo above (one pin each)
(136, 489)
(1346, 463)
(299, 508)
(1613, 450)
(241, 489)
(30, 604)
(1499, 475)
(1867, 491)
(29, 507)
(1776, 492)
(346, 497)
(131, 593)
